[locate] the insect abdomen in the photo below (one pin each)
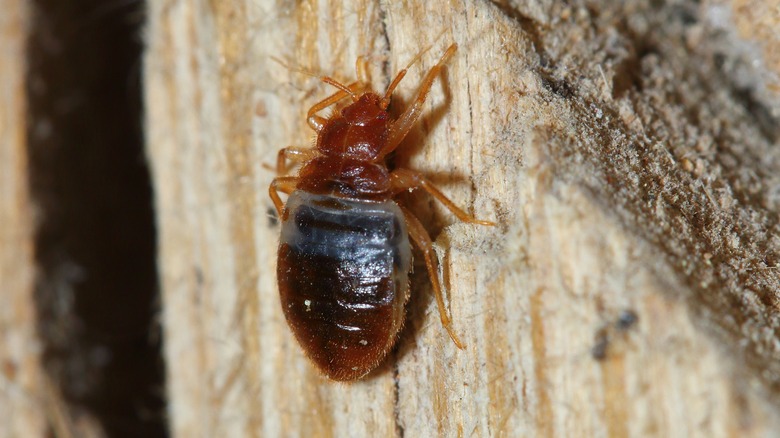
(343, 279)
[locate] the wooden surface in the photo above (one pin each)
(21, 385)
(631, 164)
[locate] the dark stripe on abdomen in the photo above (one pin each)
(343, 273)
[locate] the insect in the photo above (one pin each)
(344, 252)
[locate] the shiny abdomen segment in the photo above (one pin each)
(343, 279)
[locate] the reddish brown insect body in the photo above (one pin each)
(344, 252)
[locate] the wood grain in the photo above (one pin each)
(630, 172)
(21, 386)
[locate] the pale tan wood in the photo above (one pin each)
(22, 390)
(628, 174)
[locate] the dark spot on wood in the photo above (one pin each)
(626, 319)
(600, 345)
(557, 86)
(273, 219)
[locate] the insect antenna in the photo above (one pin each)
(295, 68)
(340, 86)
(326, 79)
(388, 94)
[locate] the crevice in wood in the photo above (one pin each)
(387, 74)
(399, 427)
(96, 291)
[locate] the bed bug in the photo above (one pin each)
(344, 252)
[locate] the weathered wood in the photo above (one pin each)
(22, 392)
(632, 175)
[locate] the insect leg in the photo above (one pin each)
(316, 122)
(404, 124)
(361, 70)
(284, 184)
(423, 241)
(293, 153)
(405, 179)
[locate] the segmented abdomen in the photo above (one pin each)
(343, 278)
